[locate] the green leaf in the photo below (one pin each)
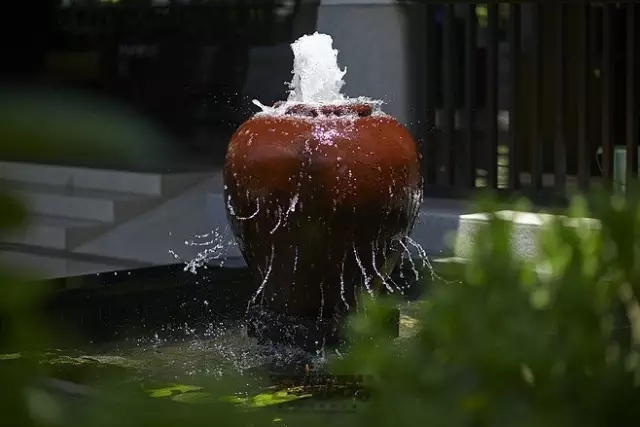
(10, 356)
(172, 390)
(195, 397)
(276, 398)
(188, 394)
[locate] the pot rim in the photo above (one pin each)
(300, 109)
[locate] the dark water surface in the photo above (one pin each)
(170, 332)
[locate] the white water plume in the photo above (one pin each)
(317, 77)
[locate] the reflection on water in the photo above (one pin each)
(222, 349)
(164, 325)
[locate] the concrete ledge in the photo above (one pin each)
(452, 266)
(449, 266)
(527, 228)
(435, 228)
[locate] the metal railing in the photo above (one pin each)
(526, 98)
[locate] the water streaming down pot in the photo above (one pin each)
(322, 192)
(316, 228)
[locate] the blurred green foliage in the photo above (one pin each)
(524, 342)
(51, 125)
(511, 342)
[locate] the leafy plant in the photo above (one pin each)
(518, 342)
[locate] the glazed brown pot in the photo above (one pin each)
(318, 199)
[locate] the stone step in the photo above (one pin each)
(70, 207)
(54, 232)
(75, 203)
(45, 267)
(147, 184)
(180, 225)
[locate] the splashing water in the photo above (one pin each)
(317, 80)
(265, 279)
(317, 77)
(217, 243)
(421, 255)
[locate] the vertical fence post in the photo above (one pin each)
(492, 95)
(430, 76)
(606, 78)
(423, 76)
(560, 150)
(631, 108)
(536, 140)
(445, 170)
(514, 74)
(455, 157)
(470, 140)
(583, 96)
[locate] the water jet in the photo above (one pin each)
(321, 193)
